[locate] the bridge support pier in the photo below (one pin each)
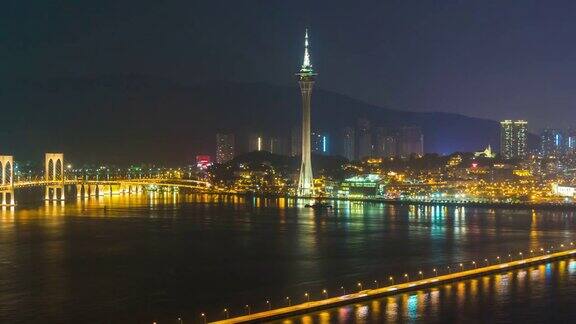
(54, 175)
(7, 180)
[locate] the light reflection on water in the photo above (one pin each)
(161, 255)
(500, 297)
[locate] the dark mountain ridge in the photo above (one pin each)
(145, 119)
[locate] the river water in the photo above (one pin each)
(145, 258)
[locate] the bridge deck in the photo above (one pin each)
(394, 289)
(192, 184)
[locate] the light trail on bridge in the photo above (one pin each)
(366, 294)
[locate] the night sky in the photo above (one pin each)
(494, 59)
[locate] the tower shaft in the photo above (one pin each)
(306, 180)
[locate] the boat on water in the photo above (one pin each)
(319, 205)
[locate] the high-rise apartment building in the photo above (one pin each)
(275, 145)
(552, 142)
(390, 146)
(410, 141)
(513, 138)
(364, 139)
(296, 141)
(224, 147)
(320, 143)
(256, 142)
(348, 143)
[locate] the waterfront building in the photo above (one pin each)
(348, 141)
(361, 186)
(224, 147)
(513, 139)
(306, 79)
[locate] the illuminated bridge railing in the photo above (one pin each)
(192, 184)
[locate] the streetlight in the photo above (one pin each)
(487, 263)
(521, 257)
(359, 286)
(180, 320)
(269, 305)
(435, 272)
(391, 280)
(376, 284)
(421, 275)
(509, 257)
(343, 290)
(288, 301)
(449, 271)
(542, 250)
(498, 258)
(461, 267)
(325, 293)
(247, 308)
(474, 263)
(307, 297)
(407, 277)
(226, 313)
(203, 317)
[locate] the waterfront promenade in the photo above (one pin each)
(362, 295)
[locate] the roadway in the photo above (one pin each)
(182, 183)
(315, 305)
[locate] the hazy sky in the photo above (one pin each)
(495, 59)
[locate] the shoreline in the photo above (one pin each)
(499, 205)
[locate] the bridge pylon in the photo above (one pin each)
(54, 176)
(7, 180)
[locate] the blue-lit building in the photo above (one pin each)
(553, 143)
(320, 143)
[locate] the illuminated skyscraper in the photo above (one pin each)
(306, 78)
(552, 142)
(256, 142)
(224, 147)
(571, 141)
(513, 137)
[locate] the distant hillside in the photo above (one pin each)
(134, 118)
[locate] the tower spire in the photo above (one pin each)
(306, 63)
